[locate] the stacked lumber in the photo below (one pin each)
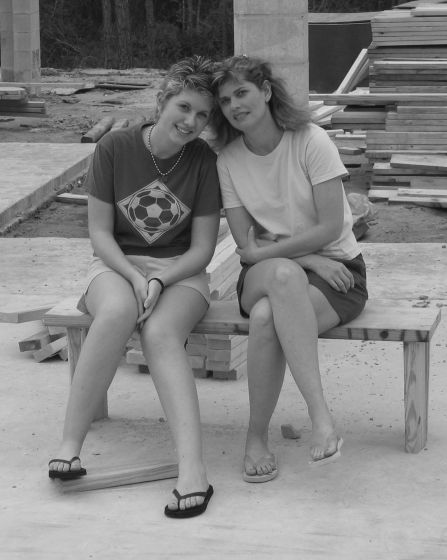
(411, 178)
(360, 118)
(46, 342)
(411, 75)
(14, 102)
(417, 27)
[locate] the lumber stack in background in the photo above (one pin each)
(408, 54)
(14, 102)
(404, 110)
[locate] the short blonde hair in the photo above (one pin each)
(194, 73)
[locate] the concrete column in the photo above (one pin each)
(276, 30)
(20, 40)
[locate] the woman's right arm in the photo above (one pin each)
(100, 226)
(240, 222)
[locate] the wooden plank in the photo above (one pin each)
(380, 195)
(50, 349)
(377, 322)
(38, 340)
(427, 10)
(70, 198)
(384, 168)
(22, 315)
(355, 74)
(119, 476)
(377, 98)
(431, 201)
(414, 161)
(100, 128)
(405, 191)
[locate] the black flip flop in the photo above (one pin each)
(193, 511)
(66, 475)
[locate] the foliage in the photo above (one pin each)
(71, 31)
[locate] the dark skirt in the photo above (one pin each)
(347, 306)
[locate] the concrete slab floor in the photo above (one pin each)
(375, 502)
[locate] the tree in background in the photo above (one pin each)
(149, 33)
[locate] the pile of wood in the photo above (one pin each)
(409, 50)
(419, 179)
(47, 342)
(14, 102)
(404, 110)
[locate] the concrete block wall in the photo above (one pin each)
(276, 30)
(20, 40)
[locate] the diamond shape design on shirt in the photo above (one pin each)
(153, 210)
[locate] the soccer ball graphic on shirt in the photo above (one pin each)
(153, 210)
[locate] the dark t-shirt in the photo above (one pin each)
(153, 215)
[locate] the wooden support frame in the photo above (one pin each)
(380, 321)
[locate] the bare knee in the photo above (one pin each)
(118, 312)
(261, 317)
(158, 334)
(288, 275)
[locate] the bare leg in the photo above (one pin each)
(265, 372)
(163, 338)
(111, 301)
(300, 312)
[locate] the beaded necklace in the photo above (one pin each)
(149, 147)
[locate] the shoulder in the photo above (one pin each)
(120, 139)
(233, 150)
(199, 148)
(309, 132)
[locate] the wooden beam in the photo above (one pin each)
(120, 476)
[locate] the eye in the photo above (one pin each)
(241, 92)
(224, 101)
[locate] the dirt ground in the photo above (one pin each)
(70, 115)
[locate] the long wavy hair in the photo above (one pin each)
(286, 113)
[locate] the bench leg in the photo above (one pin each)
(416, 379)
(75, 339)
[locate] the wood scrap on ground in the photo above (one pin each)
(119, 476)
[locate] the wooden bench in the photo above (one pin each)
(380, 321)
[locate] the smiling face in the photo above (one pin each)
(243, 104)
(183, 117)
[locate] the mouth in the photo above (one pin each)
(183, 131)
(239, 116)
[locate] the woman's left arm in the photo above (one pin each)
(328, 198)
(203, 242)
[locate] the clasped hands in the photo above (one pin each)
(147, 293)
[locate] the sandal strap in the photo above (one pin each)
(192, 494)
(73, 459)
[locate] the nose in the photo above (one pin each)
(190, 119)
(234, 103)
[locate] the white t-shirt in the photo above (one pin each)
(277, 189)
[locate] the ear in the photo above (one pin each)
(267, 89)
(160, 101)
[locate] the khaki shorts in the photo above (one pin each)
(149, 267)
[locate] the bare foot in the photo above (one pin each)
(66, 463)
(188, 484)
(324, 442)
(258, 459)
